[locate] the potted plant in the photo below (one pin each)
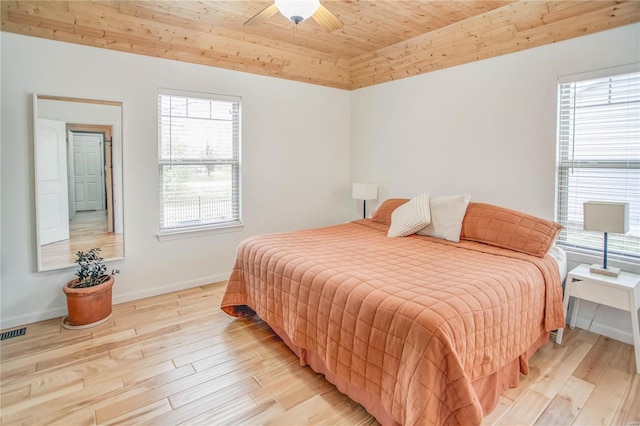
(89, 295)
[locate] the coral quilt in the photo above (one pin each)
(405, 326)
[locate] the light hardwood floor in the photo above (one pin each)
(177, 359)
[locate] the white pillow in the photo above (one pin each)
(410, 217)
(446, 217)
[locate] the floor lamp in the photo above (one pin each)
(606, 217)
(364, 192)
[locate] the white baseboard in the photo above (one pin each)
(170, 288)
(22, 320)
(605, 330)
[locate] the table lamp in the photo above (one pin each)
(364, 192)
(606, 217)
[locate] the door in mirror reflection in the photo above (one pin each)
(51, 152)
(78, 156)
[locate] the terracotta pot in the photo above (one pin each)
(90, 304)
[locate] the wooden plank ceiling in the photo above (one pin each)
(380, 40)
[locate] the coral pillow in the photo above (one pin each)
(509, 229)
(446, 217)
(383, 214)
(410, 217)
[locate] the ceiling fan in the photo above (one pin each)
(297, 11)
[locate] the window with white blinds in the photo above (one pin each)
(599, 157)
(198, 161)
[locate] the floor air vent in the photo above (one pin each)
(13, 333)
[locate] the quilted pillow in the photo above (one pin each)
(447, 213)
(383, 214)
(410, 217)
(509, 229)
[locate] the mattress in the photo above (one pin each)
(560, 256)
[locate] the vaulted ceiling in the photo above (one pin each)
(380, 41)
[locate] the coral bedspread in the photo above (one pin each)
(409, 323)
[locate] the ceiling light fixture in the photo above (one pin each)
(297, 10)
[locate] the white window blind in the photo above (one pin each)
(599, 158)
(198, 161)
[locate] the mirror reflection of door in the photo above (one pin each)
(87, 155)
(88, 176)
(51, 161)
(89, 186)
(85, 164)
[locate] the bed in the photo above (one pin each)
(419, 329)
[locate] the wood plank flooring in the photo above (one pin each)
(177, 359)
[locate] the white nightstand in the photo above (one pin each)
(622, 292)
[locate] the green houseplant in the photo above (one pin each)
(89, 296)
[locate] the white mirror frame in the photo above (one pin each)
(93, 113)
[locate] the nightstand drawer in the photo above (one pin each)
(598, 293)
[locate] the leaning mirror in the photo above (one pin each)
(78, 179)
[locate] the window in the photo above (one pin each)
(599, 157)
(198, 161)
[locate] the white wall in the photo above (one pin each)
(486, 128)
(295, 166)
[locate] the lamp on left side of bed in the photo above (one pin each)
(364, 192)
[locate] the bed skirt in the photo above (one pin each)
(488, 389)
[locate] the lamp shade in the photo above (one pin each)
(364, 191)
(606, 217)
(297, 10)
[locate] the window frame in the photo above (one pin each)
(194, 230)
(587, 253)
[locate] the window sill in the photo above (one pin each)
(580, 256)
(199, 232)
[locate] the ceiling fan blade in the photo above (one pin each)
(262, 16)
(326, 19)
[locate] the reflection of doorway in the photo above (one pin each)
(90, 171)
